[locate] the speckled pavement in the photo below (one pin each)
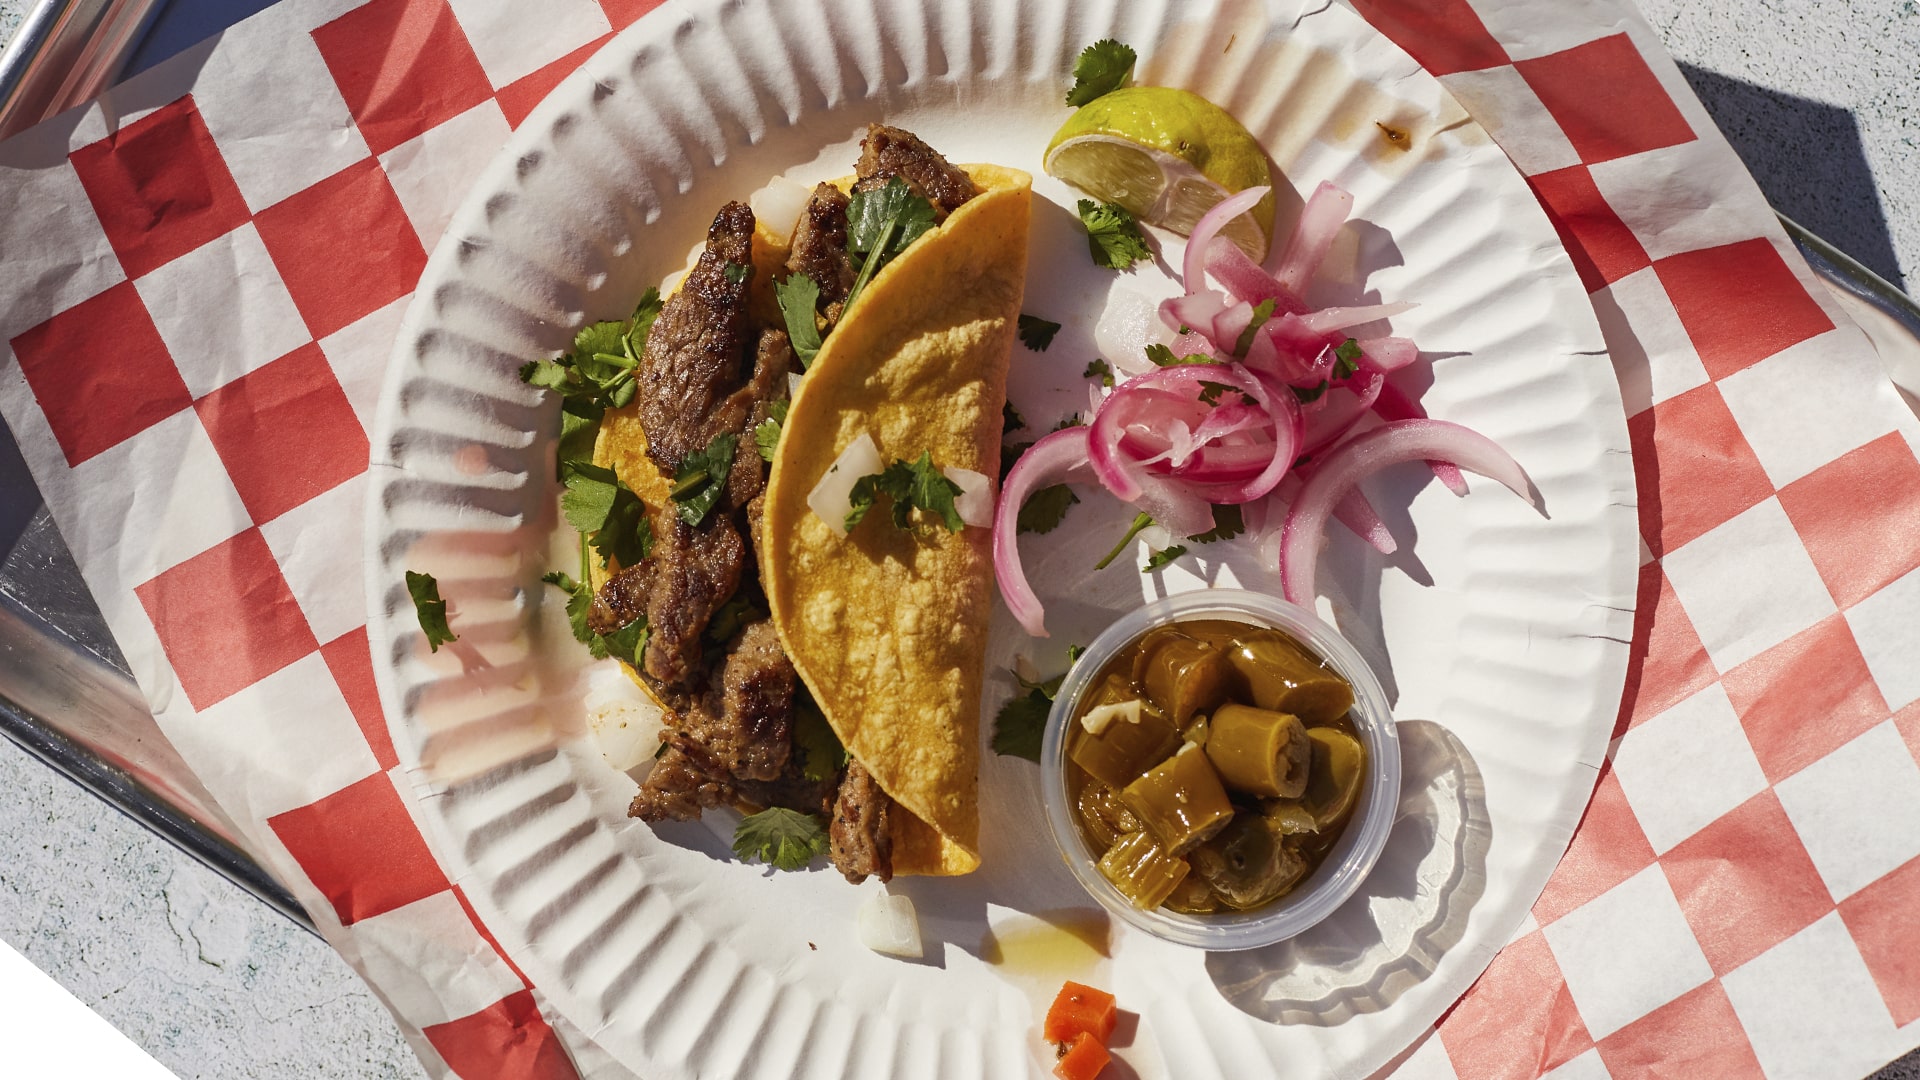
(1820, 97)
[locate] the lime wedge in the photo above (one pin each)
(1167, 156)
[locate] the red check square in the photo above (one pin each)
(1805, 697)
(1880, 918)
(1859, 517)
(160, 187)
(1519, 1020)
(1739, 304)
(1445, 36)
(1601, 246)
(1607, 849)
(1667, 662)
(1696, 1035)
(361, 850)
(403, 66)
(344, 247)
(1606, 99)
(350, 662)
(624, 13)
(508, 1040)
(1745, 883)
(285, 433)
(519, 97)
(1693, 468)
(226, 618)
(100, 372)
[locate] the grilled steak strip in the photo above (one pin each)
(679, 788)
(820, 249)
(888, 152)
(772, 360)
(696, 353)
(745, 720)
(861, 843)
(698, 570)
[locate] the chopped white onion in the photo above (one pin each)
(779, 205)
(1128, 324)
(888, 925)
(975, 501)
(832, 497)
(626, 724)
(793, 385)
(1097, 719)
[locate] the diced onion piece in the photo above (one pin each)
(1128, 324)
(793, 385)
(626, 724)
(1389, 444)
(975, 501)
(779, 205)
(832, 497)
(888, 925)
(1058, 457)
(1097, 719)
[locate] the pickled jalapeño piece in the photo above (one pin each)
(1102, 816)
(1128, 743)
(1246, 865)
(1142, 870)
(1334, 780)
(1183, 675)
(1192, 897)
(1282, 676)
(1289, 818)
(1259, 751)
(1180, 800)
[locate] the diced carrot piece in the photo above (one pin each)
(1080, 1008)
(1083, 1060)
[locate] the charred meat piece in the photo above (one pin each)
(745, 720)
(772, 360)
(622, 599)
(679, 788)
(861, 843)
(820, 248)
(697, 351)
(888, 152)
(696, 571)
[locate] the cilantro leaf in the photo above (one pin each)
(1210, 393)
(1010, 419)
(1164, 357)
(915, 485)
(782, 838)
(821, 755)
(579, 600)
(1101, 68)
(626, 643)
(881, 224)
(1310, 393)
(1010, 456)
(590, 494)
(702, 477)
(1113, 237)
(579, 427)
(597, 375)
(596, 503)
(1020, 724)
(1228, 523)
(731, 616)
(1037, 333)
(430, 609)
(1346, 359)
(1074, 653)
(737, 273)
(1070, 420)
(797, 296)
(1163, 557)
(1262, 311)
(1098, 369)
(1045, 509)
(766, 434)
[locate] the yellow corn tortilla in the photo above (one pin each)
(888, 626)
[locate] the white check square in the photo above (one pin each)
(1653, 357)
(1515, 116)
(1810, 1008)
(1627, 952)
(432, 172)
(1857, 810)
(1748, 584)
(222, 310)
(1841, 401)
(430, 962)
(1677, 199)
(317, 545)
(515, 40)
(1889, 639)
(281, 127)
(358, 355)
(197, 508)
(1685, 767)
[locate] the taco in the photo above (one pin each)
(831, 671)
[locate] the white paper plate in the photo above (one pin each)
(1501, 635)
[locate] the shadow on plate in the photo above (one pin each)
(1414, 906)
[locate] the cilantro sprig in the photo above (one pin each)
(1163, 357)
(1021, 723)
(702, 477)
(1262, 311)
(1098, 369)
(629, 643)
(599, 506)
(1113, 236)
(821, 754)
(430, 609)
(1037, 333)
(766, 434)
(1045, 509)
(880, 225)
(911, 485)
(596, 376)
(783, 839)
(1101, 68)
(797, 296)
(1010, 420)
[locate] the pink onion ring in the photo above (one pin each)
(1320, 221)
(1327, 320)
(1243, 278)
(1193, 264)
(1059, 457)
(1393, 404)
(1389, 444)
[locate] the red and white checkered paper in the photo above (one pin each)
(205, 271)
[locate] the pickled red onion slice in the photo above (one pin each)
(1193, 265)
(1320, 221)
(1059, 457)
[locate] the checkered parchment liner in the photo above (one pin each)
(206, 270)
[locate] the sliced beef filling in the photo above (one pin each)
(888, 152)
(697, 350)
(861, 842)
(744, 722)
(820, 249)
(679, 788)
(773, 359)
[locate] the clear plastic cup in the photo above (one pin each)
(1351, 858)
